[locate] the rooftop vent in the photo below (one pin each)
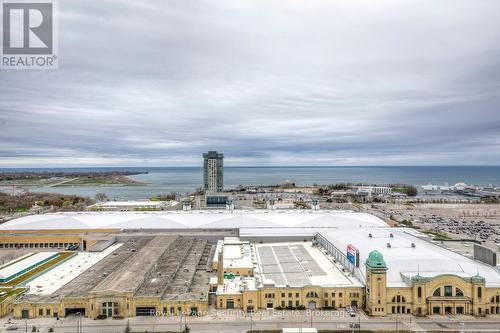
(388, 244)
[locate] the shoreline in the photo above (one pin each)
(33, 180)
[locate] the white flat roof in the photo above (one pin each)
(130, 203)
(297, 264)
(236, 253)
(237, 285)
(404, 261)
(16, 259)
(339, 227)
(9, 269)
(248, 221)
(56, 278)
(230, 287)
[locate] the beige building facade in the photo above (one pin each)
(401, 272)
(438, 295)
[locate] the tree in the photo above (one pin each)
(411, 191)
(101, 197)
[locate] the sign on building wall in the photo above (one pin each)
(353, 255)
(485, 255)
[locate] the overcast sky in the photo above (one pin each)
(156, 83)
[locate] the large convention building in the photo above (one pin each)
(185, 262)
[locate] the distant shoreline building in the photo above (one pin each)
(213, 171)
(126, 206)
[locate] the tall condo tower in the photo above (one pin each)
(213, 171)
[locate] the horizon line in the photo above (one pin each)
(256, 166)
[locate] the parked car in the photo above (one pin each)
(11, 327)
(351, 311)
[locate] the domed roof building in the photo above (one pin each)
(375, 260)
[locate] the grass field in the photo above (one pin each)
(97, 181)
(10, 292)
(117, 180)
(29, 182)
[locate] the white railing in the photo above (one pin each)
(340, 257)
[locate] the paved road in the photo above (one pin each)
(233, 324)
(62, 182)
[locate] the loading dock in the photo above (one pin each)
(145, 311)
(74, 311)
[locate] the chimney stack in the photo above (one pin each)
(220, 268)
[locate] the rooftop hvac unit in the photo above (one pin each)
(388, 244)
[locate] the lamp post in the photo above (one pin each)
(79, 323)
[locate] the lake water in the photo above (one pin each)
(187, 179)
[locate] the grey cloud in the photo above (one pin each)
(306, 82)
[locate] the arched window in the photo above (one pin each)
(437, 292)
(459, 292)
(479, 292)
(419, 292)
(398, 299)
(312, 294)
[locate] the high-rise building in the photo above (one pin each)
(213, 171)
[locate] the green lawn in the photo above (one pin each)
(437, 235)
